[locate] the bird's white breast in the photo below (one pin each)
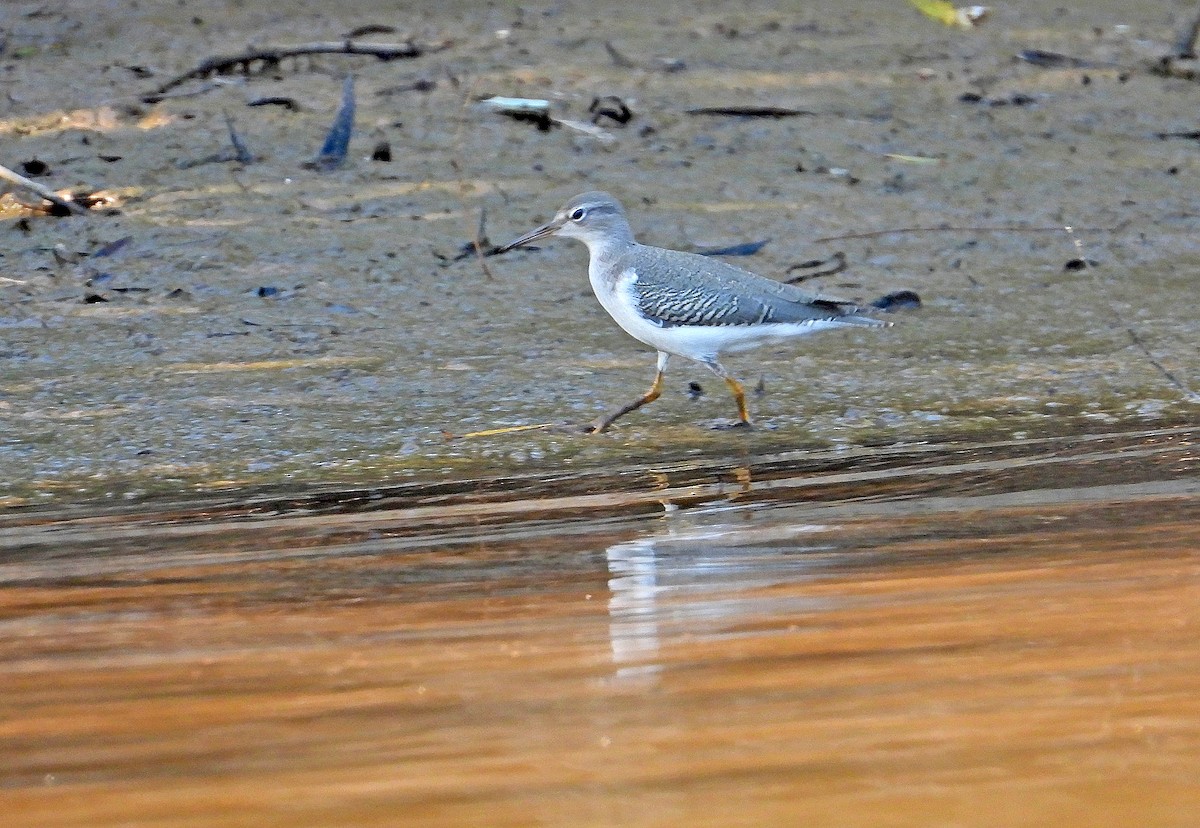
(618, 298)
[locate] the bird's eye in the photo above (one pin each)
(578, 214)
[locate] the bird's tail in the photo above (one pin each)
(857, 319)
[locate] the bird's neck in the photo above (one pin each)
(604, 252)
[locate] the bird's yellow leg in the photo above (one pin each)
(739, 393)
(650, 396)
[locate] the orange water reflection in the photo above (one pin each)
(1000, 656)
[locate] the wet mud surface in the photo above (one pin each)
(272, 325)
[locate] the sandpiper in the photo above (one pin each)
(685, 304)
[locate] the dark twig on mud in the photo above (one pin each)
(255, 61)
(480, 237)
(480, 241)
(1089, 265)
(751, 111)
(241, 152)
(45, 192)
(618, 59)
(1191, 395)
(1180, 62)
(872, 234)
(238, 152)
(1054, 60)
(834, 264)
(1185, 46)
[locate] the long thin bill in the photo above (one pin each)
(532, 236)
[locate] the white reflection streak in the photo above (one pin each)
(706, 567)
(632, 608)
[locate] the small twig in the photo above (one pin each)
(900, 230)
(1137, 341)
(490, 432)
(271, 56)
(743, 249)
(1191, 395)
(45, 192)
(750, 111)
(1185, 45)
(1180, 61)
(1054, 60)
(618, 59)
(658, 64)
(459, 139)
(480, 240)
(241, 152)
(838, 261)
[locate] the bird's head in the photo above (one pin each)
(596, 219)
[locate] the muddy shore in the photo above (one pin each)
(270, 325)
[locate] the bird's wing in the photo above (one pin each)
(675, 288)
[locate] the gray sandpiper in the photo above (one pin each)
(685, 304)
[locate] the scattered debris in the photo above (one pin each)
(370, 29)
(63, 257)
(898, 300)
(1080, 263)
(695, 390)
(943, 12)
(751, 111)
(1054, 60)
(112, 248)
(587, 129)
(871, 234)
(491, 432)
(67, 205)
(238, 151)
(276, 100)
(337, 142)
(138, 71)
(612, 108)
(618, 59)
(1016, 99)
(1185, 44)
(478, 247)
(530, 110)
(537, 111)
(1181, 61)
(658, 64)
(419, 85)
(35, 167)
(257, 61)
(744, 249)
(913, 159)
(382, 151)
(1191, 135)
(834, 264)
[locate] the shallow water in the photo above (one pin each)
(971, 634)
